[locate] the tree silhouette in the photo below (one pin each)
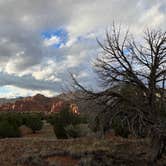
(140, 67)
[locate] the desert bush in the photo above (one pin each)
(40, 114)
(79, 130)
(33, 121)
(63, 119)
(8, 130)
(58, 125)
(60, 121)
(82, 119)
(72, 131)
(85, 130)
(51, 118)
(12, 117)
(15, 119)
(60, 131)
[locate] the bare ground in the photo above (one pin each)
(43, 149)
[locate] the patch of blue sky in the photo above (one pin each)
(4, 90)
(126, 52)
(60, 33)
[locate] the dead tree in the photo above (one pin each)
(140, 65)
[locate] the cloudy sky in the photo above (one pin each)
(42, 41)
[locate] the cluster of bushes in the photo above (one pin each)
(100, 124)
(10, 123)
(79, 130)
(67, 124)
(33, 121)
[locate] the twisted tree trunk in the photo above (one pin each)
(158, 144)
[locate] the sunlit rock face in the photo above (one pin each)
(35, 103)
(39, 103)
(74, 108)
(56, 106)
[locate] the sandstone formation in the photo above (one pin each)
(38, 103)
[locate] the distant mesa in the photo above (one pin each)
(39, 97)
(38, 103)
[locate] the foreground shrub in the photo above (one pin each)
(85, 130)
(12, 117)
(8, 130)
(63, 119)
(60, 131)
(14, 120)
(33, 121)
(72, 131)
(79, 130)
(60, 121)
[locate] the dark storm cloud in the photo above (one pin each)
(28, 82)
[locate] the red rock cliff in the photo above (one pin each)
(37, 103)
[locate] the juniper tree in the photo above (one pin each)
(140, 67)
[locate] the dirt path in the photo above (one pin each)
(47, 131)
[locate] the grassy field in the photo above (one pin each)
(43, 149)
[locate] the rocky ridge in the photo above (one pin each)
(37, 103)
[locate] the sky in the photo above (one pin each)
(41, 41)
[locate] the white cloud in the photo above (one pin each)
(71, 41)
(14, 91)
(153, 17)
(23, 52)
(47, 73)
(82, 74)
(52, 41)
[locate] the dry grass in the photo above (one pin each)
(43, 149)
(22, 151)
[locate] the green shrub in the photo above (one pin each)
(12, 117)
(84, 130)
(8, 130)
(40, 114)
(33, 121)
(63, 119)
(72, 131)
(79, 130)
(59, 122)
(60, 131)
(51, 118)
(15, 119)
